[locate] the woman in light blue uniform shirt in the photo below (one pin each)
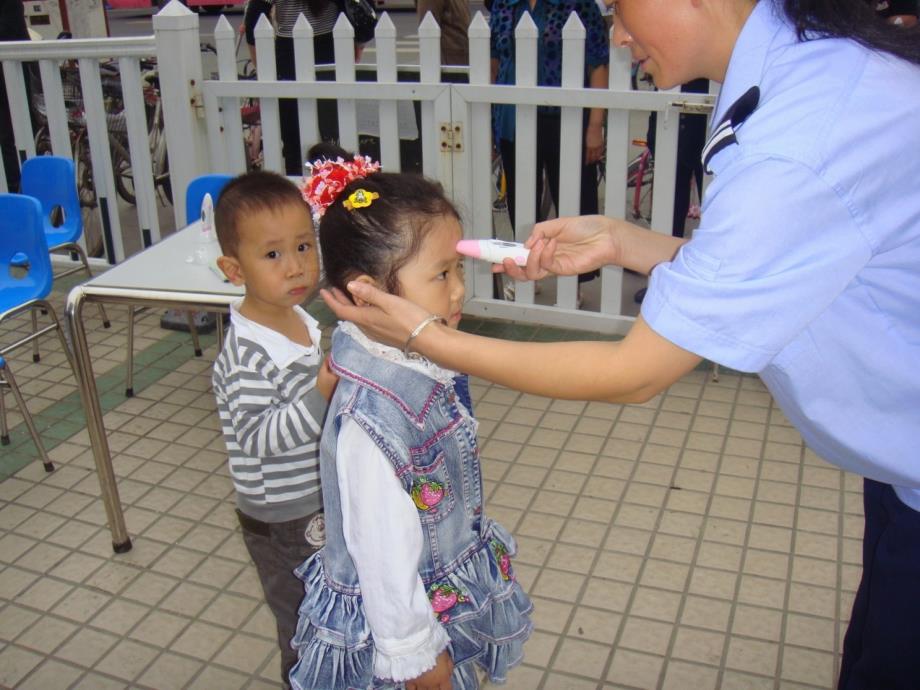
(805, 268)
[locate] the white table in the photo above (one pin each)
(159, 276)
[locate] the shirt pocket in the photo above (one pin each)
(431, 489)
(699, 263)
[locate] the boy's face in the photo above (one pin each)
(433, 278)
(277, 258)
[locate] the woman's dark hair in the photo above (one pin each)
(379, 239)
(853, 19)
(251, 192)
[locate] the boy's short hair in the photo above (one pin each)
(251, 192)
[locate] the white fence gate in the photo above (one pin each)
(204, 129)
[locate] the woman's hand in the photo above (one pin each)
(383, 317)
(594, 142)
(437, 678)
(565, 247)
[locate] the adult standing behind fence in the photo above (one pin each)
(550, 17)
(322, 15)
(12, 28)
(804, 268)
(453, 16)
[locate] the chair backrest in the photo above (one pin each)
(51, 180)
(25, 265)
(197, 188)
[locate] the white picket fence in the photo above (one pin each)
(204, 128)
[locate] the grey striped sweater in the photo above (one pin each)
(271, 419)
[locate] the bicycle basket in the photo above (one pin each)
(70, 88)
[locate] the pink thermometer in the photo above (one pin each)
(495, 251)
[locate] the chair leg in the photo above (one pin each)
(11, 382)
(194, 331)
(129, 384)
(36, 357)
(4, 430)
(220, 331)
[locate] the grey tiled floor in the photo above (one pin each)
(692, 542)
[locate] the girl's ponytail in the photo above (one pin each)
(853, 19)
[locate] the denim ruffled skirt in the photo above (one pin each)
(488, 622)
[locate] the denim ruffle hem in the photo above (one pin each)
(488, 622)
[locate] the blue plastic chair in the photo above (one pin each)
(52, 180)
(205, 184)
(25, 282)
(211, 184)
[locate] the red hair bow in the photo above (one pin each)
(328, 178)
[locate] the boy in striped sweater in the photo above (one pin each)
(272, 385)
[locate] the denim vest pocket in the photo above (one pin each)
(431, 489)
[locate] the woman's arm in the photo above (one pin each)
(632, 370)
(594, 134)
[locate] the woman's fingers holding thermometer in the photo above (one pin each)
(520, 261)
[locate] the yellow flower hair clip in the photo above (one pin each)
(360, 198)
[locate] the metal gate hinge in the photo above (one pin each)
(196, 99)
(692, 108)
(451, 137)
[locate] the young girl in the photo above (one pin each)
(414, 583)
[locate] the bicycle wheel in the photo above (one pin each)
(124, 175)
(633, 170)
(89, 204)
(84, 169)
(43, 142)
(163, 180)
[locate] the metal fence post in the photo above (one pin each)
(175, 29)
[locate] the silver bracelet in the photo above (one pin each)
(418, 329)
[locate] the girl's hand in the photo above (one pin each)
(383, 317)
(326, 380)
(566, 247)
(437, 678)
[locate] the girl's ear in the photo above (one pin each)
(363, 278)
(232, 269)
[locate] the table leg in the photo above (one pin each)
(86, 380)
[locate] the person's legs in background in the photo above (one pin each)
(506, 150)
(327, 113)
(287, 108)
(549, 146)
(7, 143)
(691, 138)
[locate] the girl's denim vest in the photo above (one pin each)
(418, 424)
